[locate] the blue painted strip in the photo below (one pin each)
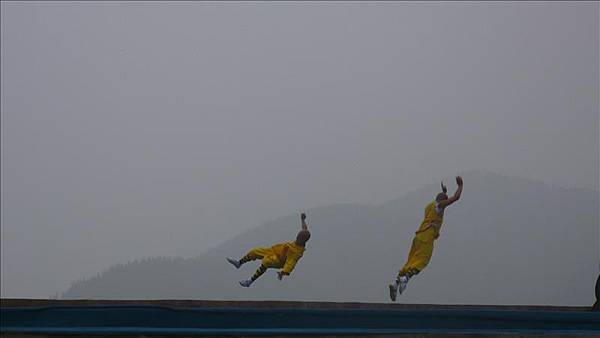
(162, 320)
(309, 331)
(281, 331)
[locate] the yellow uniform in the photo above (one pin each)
(422, 245)
(282, 255)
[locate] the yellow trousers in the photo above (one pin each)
(419, 255)
(267, 255)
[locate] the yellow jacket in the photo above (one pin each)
(430, 227)
(288, 253)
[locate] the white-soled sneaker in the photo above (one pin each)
(234, 262)
(402, 283)
(393, 291)
(246, 283)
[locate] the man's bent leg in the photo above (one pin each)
(269, 261)
(254, 254)
(259, 272)
(418, 258)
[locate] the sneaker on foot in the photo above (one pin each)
(402, 283)
(234, 262)
(246, 283)
(393, 292)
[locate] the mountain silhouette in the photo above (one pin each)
(506, 241)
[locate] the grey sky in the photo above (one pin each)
(142, 129)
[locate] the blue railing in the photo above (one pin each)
(163, 320)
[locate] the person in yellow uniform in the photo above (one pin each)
(282, 256)
(422, 244)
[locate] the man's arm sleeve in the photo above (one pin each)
(289, 265)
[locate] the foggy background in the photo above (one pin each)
(132, 130)
(526, 243)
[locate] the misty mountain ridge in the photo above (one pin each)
(506, 241)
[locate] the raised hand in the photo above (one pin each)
(459, 181)
(303, 221)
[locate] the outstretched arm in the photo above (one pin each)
(290, 264)
(303, 220)
(456, 196)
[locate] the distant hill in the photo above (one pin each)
(507, 241)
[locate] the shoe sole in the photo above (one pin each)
(232, 263)
(393, 293)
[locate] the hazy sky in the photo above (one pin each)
(143, 129)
